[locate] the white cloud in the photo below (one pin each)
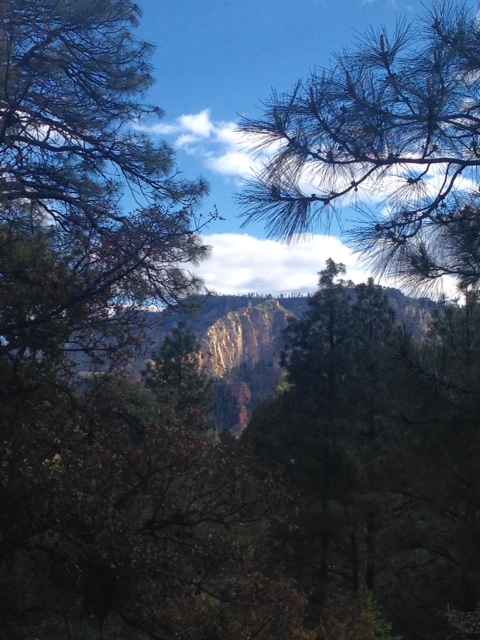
(198, 123)
(220, 146)
(188, 142)
(231, 163)
(162, 129)
(242, 264)
(228, 133)
(224, 150)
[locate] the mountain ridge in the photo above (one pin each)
(241, 341)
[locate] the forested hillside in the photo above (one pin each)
(349, 506)
(121, 514)
(375, 434)
(241, 339)
(380, 444)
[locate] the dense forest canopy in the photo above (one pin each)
(121, 514)
(348, 509)
(376, 436)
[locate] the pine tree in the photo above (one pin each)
(72, 78)
(327, 424)
(373, 395)
(182, 389)
(432, 475)
(394, 115)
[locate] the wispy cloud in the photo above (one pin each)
(226, 151)
(219, 144)
(198, 125)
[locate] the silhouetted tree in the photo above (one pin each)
(181, 386)
(395, 117)
(326, 426)
(95, 222)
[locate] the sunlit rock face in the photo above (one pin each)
(253, 334)
(241, 352)
(244, 337)
(241, 341)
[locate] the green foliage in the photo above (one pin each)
(434, 477)
(120, 515)
(377, 436)
(112, 524)
(183, 391)
(354, 617)
(326, 428)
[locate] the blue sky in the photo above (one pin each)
(215, 61)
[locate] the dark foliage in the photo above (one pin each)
(395, 117)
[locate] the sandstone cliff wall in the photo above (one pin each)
(247, 336)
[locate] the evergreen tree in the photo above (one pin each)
(327, 424)
(433, 476)
(373, 395)
(182, 389)
(72, 75)
(322, 338)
